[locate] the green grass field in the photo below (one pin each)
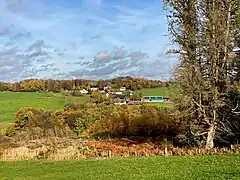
(163, 91)
(157, 168)
(11, 102)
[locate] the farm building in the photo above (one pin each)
(122, 89)
(93, 88)
(105, 87)
(102, 91)
(117, 92)
(153, 99)
(120, 103)
(83, 91)
(166, 99)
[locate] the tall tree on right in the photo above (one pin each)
(203, 31)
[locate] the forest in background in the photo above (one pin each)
(51, 85)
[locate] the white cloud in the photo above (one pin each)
(71, 29)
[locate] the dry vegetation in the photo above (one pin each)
(98, 130)
(69, 149)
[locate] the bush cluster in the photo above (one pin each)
(36, 123)
(96, 120)
(141, 121)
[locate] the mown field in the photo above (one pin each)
(194, 167)
(11, 102)
(163, 91)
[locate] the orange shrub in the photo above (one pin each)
(142, 120)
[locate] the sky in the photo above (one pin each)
(90, 39)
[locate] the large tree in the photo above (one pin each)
(203, 31)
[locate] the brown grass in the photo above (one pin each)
(68, 149)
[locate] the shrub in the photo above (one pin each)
(96, 120)
(37, 123)
(92, 114)
(142, 120)
(29, 118)
(76, 93)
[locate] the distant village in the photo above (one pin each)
(123, 95)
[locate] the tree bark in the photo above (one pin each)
(210, 137)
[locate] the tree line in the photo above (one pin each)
(51, 85)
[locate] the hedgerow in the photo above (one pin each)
(95, 120)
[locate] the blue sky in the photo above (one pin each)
(94, 39)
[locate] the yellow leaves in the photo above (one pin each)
(32, 85)
(131, 120)
(96, 95)
(90, 119)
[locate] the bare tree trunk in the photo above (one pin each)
(210, 137)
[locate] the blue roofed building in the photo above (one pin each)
(159, 99)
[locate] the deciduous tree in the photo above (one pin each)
(203, 31)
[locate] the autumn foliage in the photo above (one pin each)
(141, 121)
(95, 120)
(50, 85)
(95, 131)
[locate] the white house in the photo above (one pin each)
(117, 92)
(94, 88)
(122, 89)
(83, 91)
(122, 103)
(102, 91)
(105, 87)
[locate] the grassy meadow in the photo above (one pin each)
(11, 102)
(194, 167)
(162, 91)
(158, 167)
